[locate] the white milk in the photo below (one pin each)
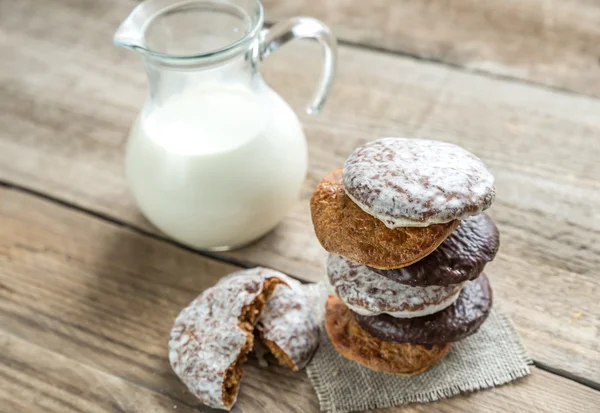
(217, 166)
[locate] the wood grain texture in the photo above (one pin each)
(68, 97)
(550, 42)
(85, 310)
(35, 379)
(103, 296)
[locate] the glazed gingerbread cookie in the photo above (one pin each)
(454, 323)
(417, 183)
(357, 345)
(344, 229)
(461, 257)
(368, 293)
(213, 335)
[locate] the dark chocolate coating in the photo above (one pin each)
(461, 257)
(454, 323)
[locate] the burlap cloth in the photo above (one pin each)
(491, 357)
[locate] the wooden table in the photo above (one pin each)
(88, 289)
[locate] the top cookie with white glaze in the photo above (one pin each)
(415, 183)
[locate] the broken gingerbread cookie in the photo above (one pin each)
(212, 336)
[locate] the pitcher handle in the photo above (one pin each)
(305, 28)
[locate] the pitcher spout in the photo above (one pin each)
(130, 33)
(187, 30)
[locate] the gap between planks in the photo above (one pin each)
(542, 366)
(565, 374)
(456, 66)
(124, 224)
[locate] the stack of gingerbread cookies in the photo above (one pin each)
(408, 240)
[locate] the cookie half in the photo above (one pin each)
(344, 229)
(415, 182)
(368, 293)
(461, 257)
(357, 345)
(213, 335)
(454, 323)
(289, 325)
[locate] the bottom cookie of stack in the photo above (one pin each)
(407, 346)
(357, 345)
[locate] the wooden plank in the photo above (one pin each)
(553, 43)
(107, 297)
(85, 311)
(68, 99)
(35, 379)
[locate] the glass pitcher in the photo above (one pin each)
(216, 158)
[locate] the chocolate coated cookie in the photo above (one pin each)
(461, 257)
(456, 322)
